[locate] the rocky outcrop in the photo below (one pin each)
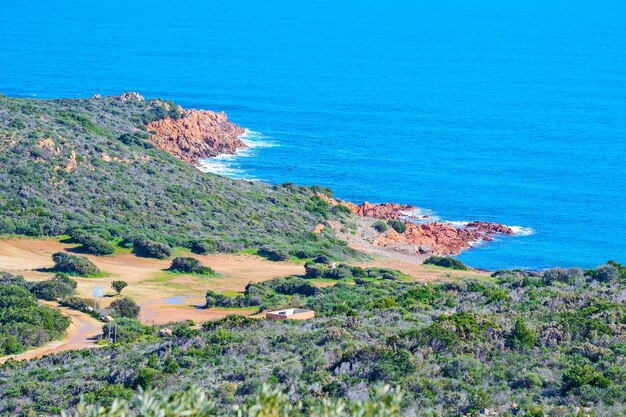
(385, 211)
(197, 134)
(128, 96)
(440, 238)
(423, 237)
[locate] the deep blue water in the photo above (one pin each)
(511, 112)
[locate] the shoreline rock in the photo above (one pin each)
(433, 238)
(197, 134)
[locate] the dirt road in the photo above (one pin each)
(81, 334)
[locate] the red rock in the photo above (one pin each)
(384, 211)
(197, 134)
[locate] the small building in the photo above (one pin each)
(290, 314)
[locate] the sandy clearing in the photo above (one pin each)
(185, 308)
(148, 282)
(81, 334)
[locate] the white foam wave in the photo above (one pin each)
(521, 230)
(229, 165)
(421, 216)
(256, 140)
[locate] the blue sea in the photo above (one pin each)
(504, 111)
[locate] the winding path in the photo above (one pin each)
(81, 334)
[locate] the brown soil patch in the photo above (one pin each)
(148, 282)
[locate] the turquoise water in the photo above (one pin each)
(480, 109)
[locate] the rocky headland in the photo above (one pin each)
(192, 135)
(197, 134)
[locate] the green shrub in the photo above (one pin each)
(314, 271)
(446, 262)
(73, 265)
(604, 273)
(397, 225)
(380, 226)
(125, 307)
(204, 246)
(274, 254)
(150, 249)
(188, 265)
(126, 330)
(95, 245)
(340, 209)
(579, 375)
(79, 303)
(55, 289)
(323, 259)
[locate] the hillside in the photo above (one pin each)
(91, 163)
(518, 343)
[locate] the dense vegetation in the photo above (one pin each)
(193, 402)
(446, 262)
(85, 167)
(23, 322)
(519, 343)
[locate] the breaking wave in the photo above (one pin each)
(421, 215)
(230, 165)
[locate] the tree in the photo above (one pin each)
(521, 336)
(125, 307)
(118, 286)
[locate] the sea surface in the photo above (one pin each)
(503, 111)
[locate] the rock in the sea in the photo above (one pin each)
(197, 134)
(423, 238)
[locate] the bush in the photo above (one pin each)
(604, 273)
(128, 330)
(73, 265)
(150, 249)
(79, 303)
(340, 209)
(579, 375)
(274, 254)
(323, 259)
(397, 225)
(188, 265)
(55, 289)
(380, 226)
(446, 262)
(10, 279)
(314, 271)
(125, 307)
(564, 275)
(92, 243)
(204, 246)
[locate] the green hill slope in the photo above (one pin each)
(71, 163)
